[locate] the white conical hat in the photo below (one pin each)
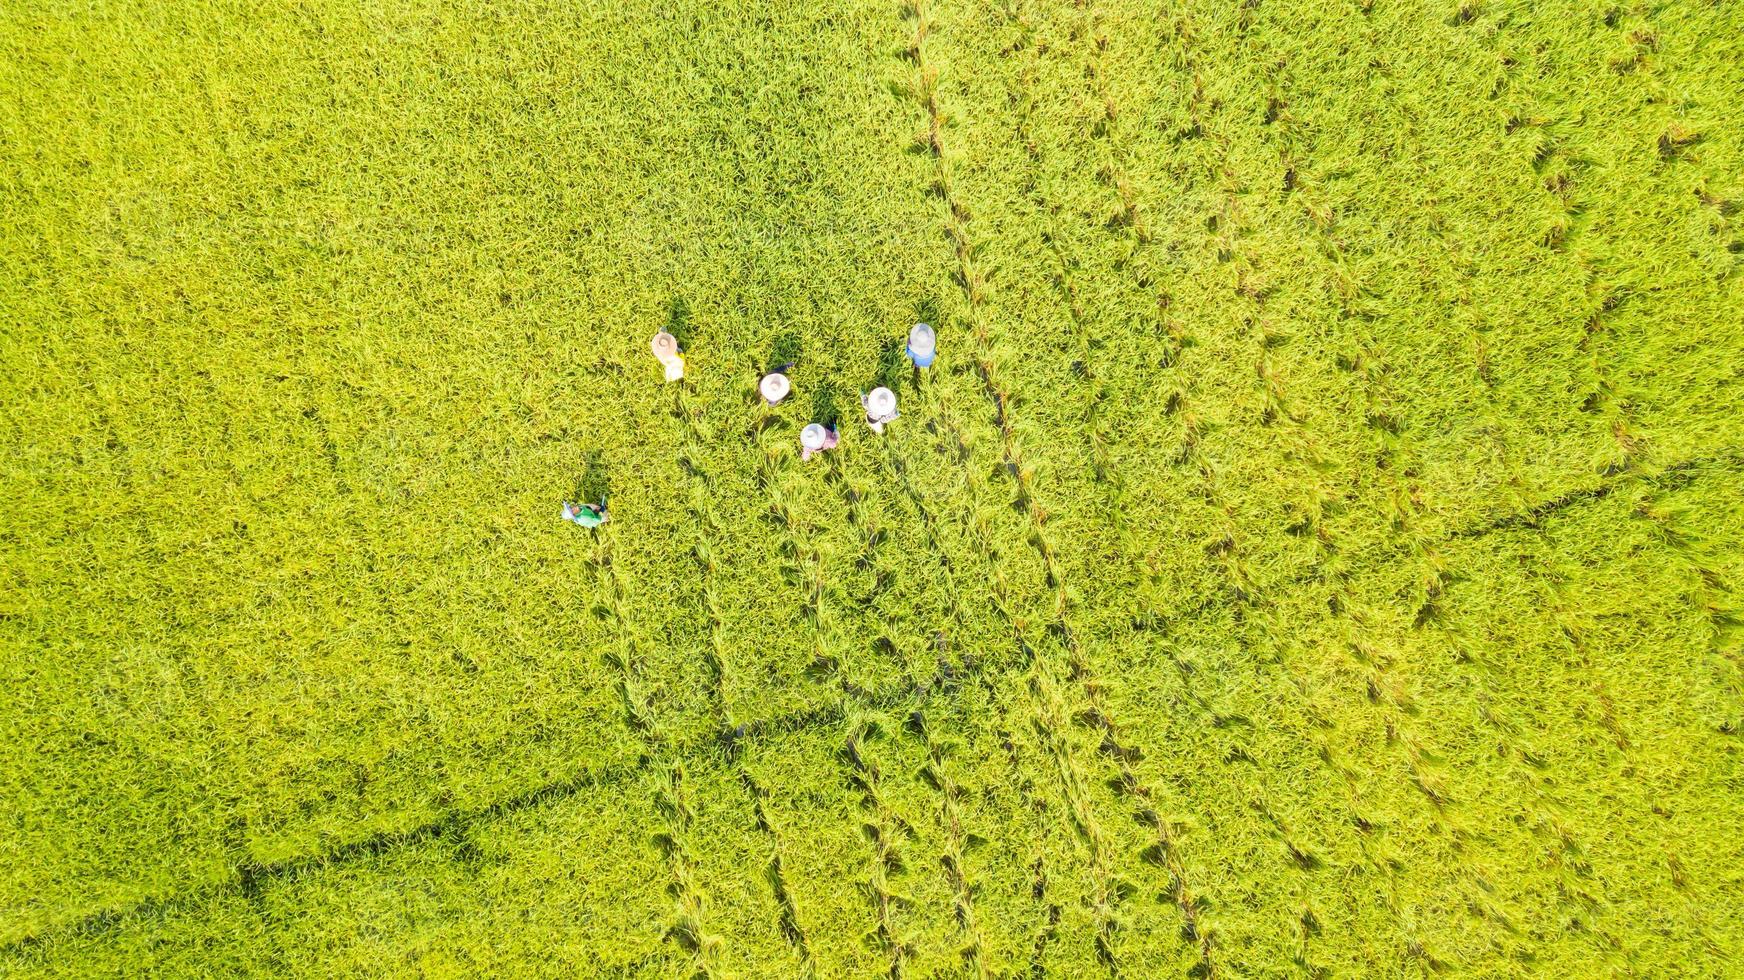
(774, 387)
(881, 403)
(922, 340)
(664, 344)
(813, 436)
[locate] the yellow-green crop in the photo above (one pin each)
(1315, 552)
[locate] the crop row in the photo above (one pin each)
(1073, 480)
(1308, 437)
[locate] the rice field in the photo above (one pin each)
(1316, 550)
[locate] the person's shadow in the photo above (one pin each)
(594, 484)
(783, 353)
(678, 320)
(826, 405)
(893, 365)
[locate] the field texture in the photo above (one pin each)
(1316, 551)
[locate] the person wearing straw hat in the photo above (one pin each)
(880, 405)
(922, 345)
(816, 438)
(586, 515)
(774, 387)
(666, 350)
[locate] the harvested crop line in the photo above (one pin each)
(936, 773)
(1048, 926)
(887, 832)
(1563, 169)
(896, 466)
(871, 558)
(1709, 592)
(798, 544)
(1227, 548)
(701, 496)
(974, 286)
(1580, 892)
(671, 799)
(1583, 891)
(953, 444)
(1052, 723)
(971, 280)
(662, 771)
(1603, 398)
(1231, 564)
(884, 831)
(623, 657)
(1384, 689)
(1722, 608)
(971, 667)
(1165, 849)
(1410, 145)
(1577, 887)
(776, 870)
(1066, 282)
(701, 508)
(1128, 223)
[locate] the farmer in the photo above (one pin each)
(586, 515)
(880, 408)
(816, 438)
(774, 387)
(666, 350)
(922, 345)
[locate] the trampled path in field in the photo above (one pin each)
(1314, 552)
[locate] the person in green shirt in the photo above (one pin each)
(586, 515)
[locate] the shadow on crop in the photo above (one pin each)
(678, 320)
(826, 407)
(594, 483)
(893, 364)
(784, 352)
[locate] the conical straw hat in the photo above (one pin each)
(774, 387)
(665, 345)
(881, 403)
(813, 436)
(922, 340)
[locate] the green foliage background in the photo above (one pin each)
(1315, 552)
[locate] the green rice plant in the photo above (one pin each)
(271, 694)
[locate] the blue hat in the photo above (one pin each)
(922, 345)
